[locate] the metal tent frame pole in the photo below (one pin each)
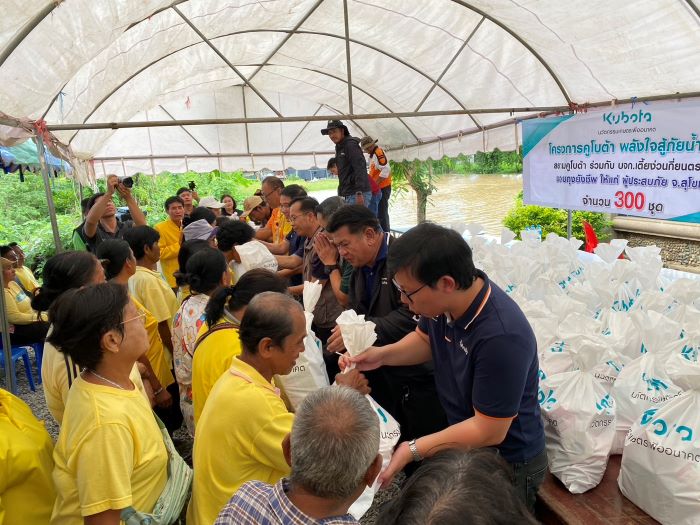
(365, 116)
(49, 195)
(6, 348)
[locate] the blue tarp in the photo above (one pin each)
(26, 155)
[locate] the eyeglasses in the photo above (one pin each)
(406, 294)
(266, 195)
(141, 316)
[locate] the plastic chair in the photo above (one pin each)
(19, 352)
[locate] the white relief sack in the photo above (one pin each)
(254, 254)
(309, 373)
(579, 423)
(644, 383)
(389, 433)
(660, 470)
(358, 334)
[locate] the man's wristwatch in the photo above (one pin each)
(328, 268)
(414, 450)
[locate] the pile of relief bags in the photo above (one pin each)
(619, 373)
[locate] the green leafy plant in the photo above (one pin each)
(553, 220)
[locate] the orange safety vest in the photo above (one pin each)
(378, 160)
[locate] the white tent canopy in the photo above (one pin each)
(455, 69)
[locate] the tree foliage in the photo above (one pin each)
(25, 219)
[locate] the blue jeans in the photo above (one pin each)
(351, 199)
(374, 202)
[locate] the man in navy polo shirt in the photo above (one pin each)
(484, 351)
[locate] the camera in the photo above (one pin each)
(192, 185)
(128, 182)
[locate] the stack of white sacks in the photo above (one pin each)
(619, 372)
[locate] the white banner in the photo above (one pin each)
(641, 159)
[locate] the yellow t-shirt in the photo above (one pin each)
(26, 490)
(26, 277)
(169, 243)
(238, 439)
(159, 356)
(150, 289)
(211, 359)
(19, 306)
(58, 372)
(109, 455)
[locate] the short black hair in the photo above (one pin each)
(267, 315)
(329, 206)
(187, 250)
(331, 162)
(273, 181)
(4, 250)
(233, 233)
(91, 200)
(81, 316)
(62, 272)
(182, 190)
(200, 212)
(173, 200)
(456, 487)
(355, 217)
(251, 283)
(139, 237)
(12, 244)
(294, 191)
(113, 253)
(429, 251)
(84, 205)
(204, 270)
(306, 204)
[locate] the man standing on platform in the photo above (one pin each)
(353, 183)
(379, 172)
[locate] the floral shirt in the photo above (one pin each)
(186, 324)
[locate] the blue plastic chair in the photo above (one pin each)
(19, 352)
(39, 356)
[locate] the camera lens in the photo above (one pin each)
(128, 182)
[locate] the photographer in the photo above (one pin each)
(189, 196)
(101, 221)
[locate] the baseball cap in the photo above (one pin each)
(199, 229)
(366, 142)
(333, 124)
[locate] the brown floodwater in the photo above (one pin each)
(485, 199)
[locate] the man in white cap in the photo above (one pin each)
(353, 183)
(213, 204)
(380, 173)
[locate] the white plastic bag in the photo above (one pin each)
(358, 334)
(579, 423)
(660, 470)
(309, 373)
(254, 254)
(389, 433)
(644, 383)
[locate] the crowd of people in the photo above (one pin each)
(187, 324)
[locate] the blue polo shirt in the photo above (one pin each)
(370, 272)
(487, 361)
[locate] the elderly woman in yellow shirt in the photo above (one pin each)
(29, 325)
(110, 454)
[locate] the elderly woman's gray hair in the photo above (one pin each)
(334, 441)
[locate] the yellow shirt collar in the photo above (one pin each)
(251, 375)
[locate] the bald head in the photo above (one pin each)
(269, 314)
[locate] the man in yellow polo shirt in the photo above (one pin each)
(239, 435)
(170, 234)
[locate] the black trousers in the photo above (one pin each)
(27, 334)
(383, 211)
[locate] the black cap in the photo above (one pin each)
(335, 124)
